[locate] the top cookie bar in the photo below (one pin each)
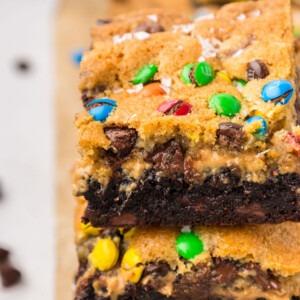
(196, 119)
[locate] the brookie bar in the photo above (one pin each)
(245, 263)
(190, 123)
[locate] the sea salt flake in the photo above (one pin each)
(166, 82)
(141, 35)
(238, 53)
(153, 17)
(216, 42)
(118, 39)
(186, 229)
(136, 89)
(117, 91)
(211, 30)
(205, 17)
(166, 89)
(186, 28)
(208, 50)
(180, 47)
(241, 17)
(256, 13)
(201, 58)
(261, 153)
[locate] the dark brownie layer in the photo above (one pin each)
(199, 285)
(222, 199)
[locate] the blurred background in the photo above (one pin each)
(41, 46)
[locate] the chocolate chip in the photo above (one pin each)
(156, 269)
(149, 27)
(257, 69)
(231, 135)
(167, 158)
(122, 138)
(22, 66)
(192, 75)
(224, 271)
(265, 279)
(10, 275)
(3, 255)
(101, 22)
(88, 96)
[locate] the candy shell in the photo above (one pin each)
(189, 245)
(278, 91)
(225, 104)
(259, 132)
(100, 113)
(145, 74)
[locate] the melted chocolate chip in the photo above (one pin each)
(174, 108)
(192, 75)
(231, 135)
(224, 271)
(88, 96)
(10, 275)
(122, 139)
(167, 158)
(257, 69)
(85, 290)
(81, 270)
(101, 22)
(156, 269)
(265, 279)
(3, 255)
(149, 27)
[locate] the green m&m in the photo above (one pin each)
(199, 74)
(189, 245)
(145, 74)
(225, 104)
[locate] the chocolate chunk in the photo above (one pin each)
(156, 269)
(85, 290)
(192, 75)
(101, 22)
(149, 27)
(167, 158)
(224, 271)
(124, 220)
(257, 69)
(265, 279)
(231, 135)
(88, 96)
(81, 269)
(10, 275)
(3, 255)
(122, 138)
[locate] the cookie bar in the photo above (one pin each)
(248, 262)
(195, 124)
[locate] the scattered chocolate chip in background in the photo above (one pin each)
(9, 274)
(23, 66)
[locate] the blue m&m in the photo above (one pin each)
(277, 91)
(101, 108)
(262, 130)
(77, 55)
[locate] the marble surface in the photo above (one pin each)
(27, 143)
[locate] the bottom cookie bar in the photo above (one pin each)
(250, 262)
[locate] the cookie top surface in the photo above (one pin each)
(250, 42)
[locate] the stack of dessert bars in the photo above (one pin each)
(188, 184)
